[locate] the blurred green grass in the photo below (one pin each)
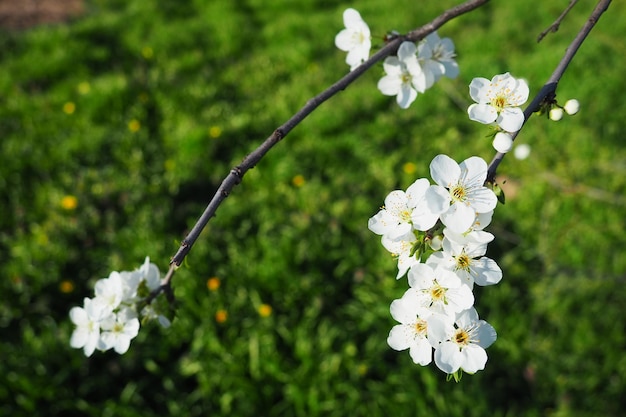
(139, 109)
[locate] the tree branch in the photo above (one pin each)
(548, 91)
(555, 26)
(236, 174)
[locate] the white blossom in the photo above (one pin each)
(465, 194)
(130, 285)
(404, 76)
(436, 56)
(412, 331)
(118, 330)
(110, 319)
(438, 290)
(109, 294)
(468, 262)
(404, 211)
(460, 343)
(87, 331)
(354, 39)
(402, 248)
(150, 273)
(498, 101)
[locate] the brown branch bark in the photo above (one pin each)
(557, 23)
(237, 173)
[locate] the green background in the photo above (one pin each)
(168, 96)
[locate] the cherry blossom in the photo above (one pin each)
(412, 331)
(354, 39)
(468, 262)
(498, 101)
(460, 343)
(404, 76)
(438, 290)
(464, 194)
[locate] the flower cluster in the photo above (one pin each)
(497, 102)
(110, 320)
(415, 68)
(436, 233)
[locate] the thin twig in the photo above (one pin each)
(548, 91)
(236, 174)
(555, 26)
(164, 287)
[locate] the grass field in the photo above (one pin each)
(117, 127)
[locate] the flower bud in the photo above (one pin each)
(436, 243)
(571, 107)
(522, 151)
(502, 142)
(556, 114)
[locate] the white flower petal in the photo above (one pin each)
(448, 358)
(423, 218)
(473, 358)
(420, 276)
(378, 224)
(355, 58)
(398, 339)
(459, 217)
(482, 220)
(343, 40)
(467, 318)
(79, 316)
(483, 200)
(444, 170)
(405, 262)
(440, 327)
(482, 113)
(122, 344)
(439, 259)
(486, 334)
(389, 85)
(511, 119)
(402, 311)
(460, 298)
(451, 69)
(407, 50)
(521, 93)
(393, 67)
(421, 352)
(504, 82)
(487, 271)
(351, 18)
(406, 96)
(421, 80)
(478, 90)
(474, 171)
(416, 191)
(437, 199)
